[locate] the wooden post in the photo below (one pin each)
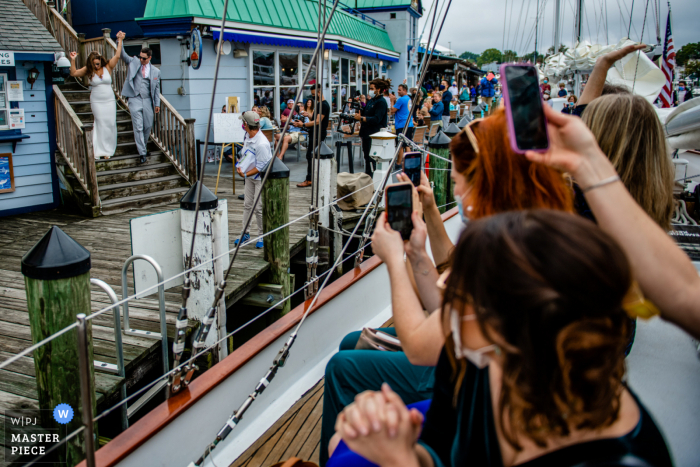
(440, 145)
(82, 56)
(106, 48)
(91, 172)
(275, 211)
(57, 281)
(191, 151)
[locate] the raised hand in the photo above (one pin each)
(73, 55)
(616, 55)
(121, 35)
(387, 243)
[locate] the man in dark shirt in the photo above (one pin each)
(315, 121)
(446, 99)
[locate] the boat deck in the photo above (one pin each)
(108, 240)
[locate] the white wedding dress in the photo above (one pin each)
(104, 108)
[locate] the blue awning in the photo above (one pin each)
(357, 50)
(388, 58)
(253, 37)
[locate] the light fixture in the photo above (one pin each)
(326, 54)
(389, 67)
(359, 59)
(32, 75)
(381, 62)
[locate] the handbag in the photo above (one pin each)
(295, 462)
(374, 339)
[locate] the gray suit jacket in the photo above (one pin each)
(134, 67)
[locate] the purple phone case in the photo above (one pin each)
(509, 112)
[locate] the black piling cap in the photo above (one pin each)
(207, 201)
(464, 122)
(440, 141)
(325, 151)
(56, 256)
(452, 130)
(279, 169)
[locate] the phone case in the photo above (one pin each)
(413, 197)
(509, 112)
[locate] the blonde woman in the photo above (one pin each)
(265, 118)
(630, 134)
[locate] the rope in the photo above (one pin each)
(207, 349)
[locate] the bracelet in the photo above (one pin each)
(603, 182)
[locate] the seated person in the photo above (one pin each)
(293, 133)
(562, 90)
(532, 370)
(477, 153)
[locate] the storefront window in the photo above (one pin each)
(344, 74)
(353, 72)
(365, 78)
(287, 93)
(334, 99)
(376, 70)
(4, 104)
(289, 69)
(265, 96)
(263, 68)
(305, 64)
(335, 78)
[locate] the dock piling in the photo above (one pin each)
(439, 178)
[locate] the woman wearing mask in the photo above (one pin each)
(532, 370)
(373, 118)
(464, 95)
(436, 109)
(570, 105)
(545, 86)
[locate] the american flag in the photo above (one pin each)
(668, 63)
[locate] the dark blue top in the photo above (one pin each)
(446, 99)
(488, 88)
(375, 113)
(436, 111)
(466, 435)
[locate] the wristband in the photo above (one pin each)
(606, 181)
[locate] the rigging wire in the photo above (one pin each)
(639, 52)
(630, 26)
(505, 17)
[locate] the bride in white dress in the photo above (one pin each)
(102, 100)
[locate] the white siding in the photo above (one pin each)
(32, 163)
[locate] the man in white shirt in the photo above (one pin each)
(255, 155)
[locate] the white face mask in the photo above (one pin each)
(478, 357)
(371, 93)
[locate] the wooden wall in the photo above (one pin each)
(34, 169)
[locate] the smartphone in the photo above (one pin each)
(399, 206)
(527, 124)
(412, 166)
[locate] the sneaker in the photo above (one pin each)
(259, 244)
(245, 238)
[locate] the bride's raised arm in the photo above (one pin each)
(114, 60)
(73, 72)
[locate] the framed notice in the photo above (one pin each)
(16, 119)
(7, 176)
(233, 107)
(15, 92)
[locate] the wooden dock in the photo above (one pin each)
(108, 240)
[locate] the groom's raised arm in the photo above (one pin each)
(126, 57)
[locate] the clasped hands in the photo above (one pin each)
(379, 427)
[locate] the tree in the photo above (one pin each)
(688, 51)
(531, 56)
(692, 68)
(510, 56)
(489, 56)
(469, 56)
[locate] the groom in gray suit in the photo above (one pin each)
(142, 87)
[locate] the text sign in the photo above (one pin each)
(7, 58)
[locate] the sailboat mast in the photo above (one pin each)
(557, 32)
(537, 23)
(579, 20)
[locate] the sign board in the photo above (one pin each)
(233, 107)
(16, 119)
(7, 178)
(15, 91)
(228, 128)
(196, 55)
(158, 236)
(7, 58)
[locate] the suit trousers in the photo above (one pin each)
(350, 372)
(142, 119)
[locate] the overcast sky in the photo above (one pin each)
(478, 25)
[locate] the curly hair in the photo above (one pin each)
(547, 288)
(502, 180)
(381, 85)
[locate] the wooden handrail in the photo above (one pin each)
(70, 139)
(62, 99)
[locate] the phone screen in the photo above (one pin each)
(527, 113)
(412, 166)
(399, 206)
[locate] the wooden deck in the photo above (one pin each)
(296, 434)
(108, 240)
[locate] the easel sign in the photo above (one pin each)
(7, 176)
(232, 105)
(228, 128)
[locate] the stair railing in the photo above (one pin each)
(57, 26)
(74, 142)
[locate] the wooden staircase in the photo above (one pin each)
(123, 183)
